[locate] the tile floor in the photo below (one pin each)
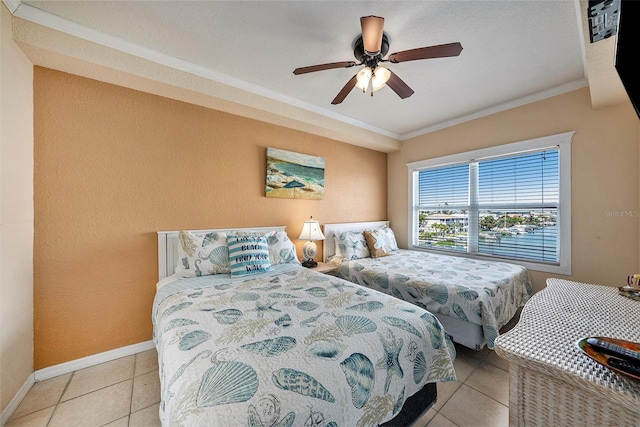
(126, 392)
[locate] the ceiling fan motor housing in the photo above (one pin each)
(366, 59)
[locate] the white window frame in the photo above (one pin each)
(561, 141)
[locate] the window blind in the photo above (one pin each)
(502, 207)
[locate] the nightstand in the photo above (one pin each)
(325, 268)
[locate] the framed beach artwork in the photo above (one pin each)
(293, 175)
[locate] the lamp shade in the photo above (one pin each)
(380, 77)
(362, 79)
(311, 231)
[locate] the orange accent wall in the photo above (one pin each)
(113, 165)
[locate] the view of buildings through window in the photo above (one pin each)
(505, 207)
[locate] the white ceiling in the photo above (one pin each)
(514, 52)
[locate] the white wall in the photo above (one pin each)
(16, 218)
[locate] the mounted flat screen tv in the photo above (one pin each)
(628, 50)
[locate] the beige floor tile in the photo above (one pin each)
(425, 418)
(148, 417)
(120, 422)
(96, 377)
(445, 391)
(35, 419)
(146, 361)
(146, 391)
(440, 421)
(468, 407)
(492, 381)
(498, 361)
(95, 409)
(42, 395)
(464, 366)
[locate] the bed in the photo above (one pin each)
(284, 345)
(473, 299)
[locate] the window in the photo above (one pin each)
(510, 202)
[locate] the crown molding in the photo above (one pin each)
(12, 5)
(539, 96)
(48, 20)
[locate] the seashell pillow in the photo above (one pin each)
(202, 254)
(352, 245)
(281, 248)
(390, 237)
(377, 243)
(248, 254)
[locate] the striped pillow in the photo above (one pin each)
(248, 254)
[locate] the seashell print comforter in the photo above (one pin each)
(291, 347)
(487, 293)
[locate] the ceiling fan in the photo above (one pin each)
(370, 48)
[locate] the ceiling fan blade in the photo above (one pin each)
(399, 86)
(321, 67)
(345, 90)
(372, 28)
(429, 52)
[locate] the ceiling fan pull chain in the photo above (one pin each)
(373, 75)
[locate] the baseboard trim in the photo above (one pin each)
(17, 399)
(96, 359)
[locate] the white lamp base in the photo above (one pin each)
(309, 252)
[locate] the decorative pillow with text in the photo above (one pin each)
(248, 254)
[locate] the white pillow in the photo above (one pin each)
(390, 238)
(336, 245)
(281, 248)
(202, 254)
(352, 245)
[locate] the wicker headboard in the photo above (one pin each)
(168, 245)
(330, 230)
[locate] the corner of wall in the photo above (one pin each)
(16, 220)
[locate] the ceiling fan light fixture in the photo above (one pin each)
(380, 78)
(363, 78)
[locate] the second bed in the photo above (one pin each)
(472, 298)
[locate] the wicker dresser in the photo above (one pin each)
(552, 383)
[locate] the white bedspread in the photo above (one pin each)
(486, 293)
(291, 348)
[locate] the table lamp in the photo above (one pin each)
(310, 232)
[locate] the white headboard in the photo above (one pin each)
(168, 245)
(330, 230)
